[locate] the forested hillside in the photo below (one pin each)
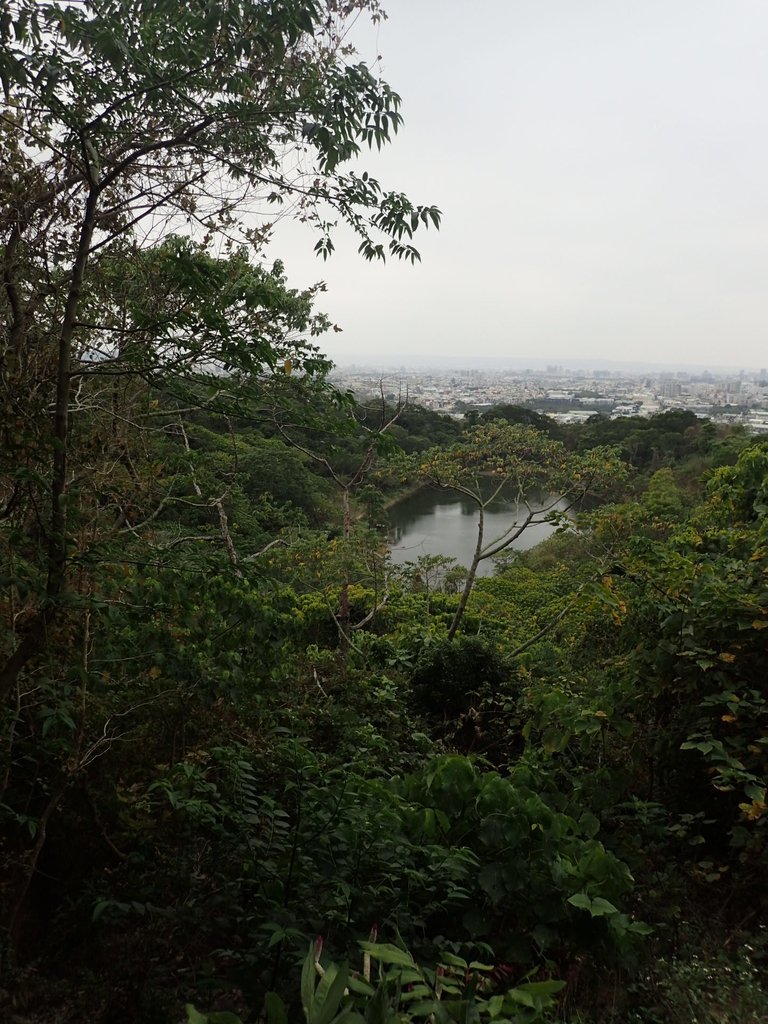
(250, 770)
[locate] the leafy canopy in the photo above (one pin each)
(197, 110)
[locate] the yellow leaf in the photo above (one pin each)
(727, 657)
(754, 810)
(154, 672)
(600, 714)
(728, 718)
(760, 624)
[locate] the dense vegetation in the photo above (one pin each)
(229, 725)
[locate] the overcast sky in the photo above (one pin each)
(602, 168)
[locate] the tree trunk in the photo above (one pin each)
(345, 616)
(476, 558)
(35, 638)
(29, 869)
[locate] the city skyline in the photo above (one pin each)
(537, 364)
(571, 395)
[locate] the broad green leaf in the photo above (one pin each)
(326, 1010)
(517, 995)
(414, 992)
(361, 987)
(194, 1016)
(495, 1004)
(308, 981)
(550, 987)
(275, 1009)
(640, 928)
(423, 1009)
(388, 954)
(324, 985)
(602, 908)
(453, 961)
(580, 900)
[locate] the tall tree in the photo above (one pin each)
(501, 459)
(125, 119)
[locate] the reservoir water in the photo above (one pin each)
(436, 522)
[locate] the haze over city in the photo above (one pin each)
(601, 168)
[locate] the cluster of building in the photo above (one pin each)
(570, 395)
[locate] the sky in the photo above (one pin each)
(602, 170)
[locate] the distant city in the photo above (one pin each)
(571, 394)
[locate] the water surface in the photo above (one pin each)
(436, 522)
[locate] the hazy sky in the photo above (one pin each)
(602, 168)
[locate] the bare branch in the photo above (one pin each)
(216, 503)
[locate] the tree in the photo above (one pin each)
(513, 460)
(519, 414)
(694, 661)
(368, 426)
(124, 119)
(662, 500)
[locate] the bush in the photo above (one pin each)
(450, 675)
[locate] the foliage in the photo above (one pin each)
(662, 499)
(418, 429)
(200, 770)
(252, 841)
(518, 461)
(535, 864)
(126, 121)
(651, 442)
(519, 414)
(712, 987)
(447, 676)
(454, 991)
(709, 644)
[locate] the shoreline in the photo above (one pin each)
(401, 495)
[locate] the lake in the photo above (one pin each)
(436, 522)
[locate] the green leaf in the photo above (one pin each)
(335, 993)
(361, 987)
(602, 908)
(414, 992)
(516, 995)
(423, 1009)
(495, 1004)
(453, 961)
(547, 988)
(388, 954)
(275, 1009)
(99, 909)
(308, 981)
(410, 976)
(589, 824)
(640, 928)
(580, 900)
(324, 985)
(194, 1016)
